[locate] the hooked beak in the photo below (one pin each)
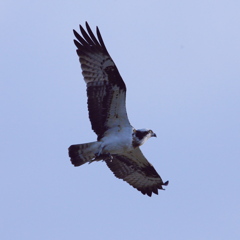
(153, 135)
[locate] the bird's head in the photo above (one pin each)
(140, 136)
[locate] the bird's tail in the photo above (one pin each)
(82, 153)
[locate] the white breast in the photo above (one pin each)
(117, 140)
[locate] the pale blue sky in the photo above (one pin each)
(181, 63)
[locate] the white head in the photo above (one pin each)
(140, 136)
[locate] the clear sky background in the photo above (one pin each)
(181, 63)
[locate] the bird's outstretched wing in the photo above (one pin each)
(106, 90)
(137, 171)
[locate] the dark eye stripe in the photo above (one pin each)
(141, 135)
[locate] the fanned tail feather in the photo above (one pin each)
(82, 153)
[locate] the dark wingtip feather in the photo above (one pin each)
(147, 191)
(101, 40)
(155, 190)
(77, 44)
(75, 33)
(87, 25)
(149, 194)
(166, 183)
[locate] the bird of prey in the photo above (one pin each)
(117, 141)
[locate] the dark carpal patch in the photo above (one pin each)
(115, 77)
(99, 99)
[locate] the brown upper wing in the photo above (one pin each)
(137, 171)
(106, 90)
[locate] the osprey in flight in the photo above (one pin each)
(117, 142)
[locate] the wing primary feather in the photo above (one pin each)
(80, 39)
(77, 44)
(86, 36)
(101, 40)
(92, 35)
